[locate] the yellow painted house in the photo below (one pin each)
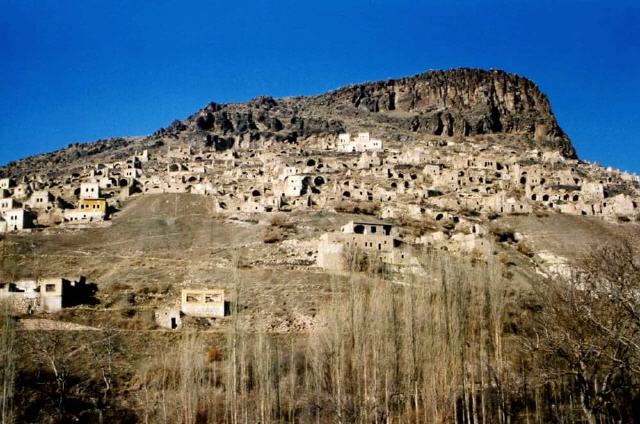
(93, 205)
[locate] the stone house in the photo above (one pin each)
(361, 143)
(132, 173)
(17, 219)
(30, 296)
(373, 239)
(432, 170)
(203, 302)
(107, 183)
(169, 318)
(41, 199)
(22, 191)
(369, 160)
(6, 183)
(7, 204)
(501, 203)
(88, 210)
(142, 158)
(181, 152)
(592, 191)
(98, 206)
(89, 191)
(620, 205)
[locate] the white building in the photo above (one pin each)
(16, 219)
(5, 183)
(6, 204)
(361, 143)
(41, 199)
(89, 191)
(294, 185)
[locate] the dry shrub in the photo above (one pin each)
(218, 216)
(116, 288)
(214, 355)
(364, 208)
(273, 235)
(417, 227)
(503, 234)
(282, 221)
(525, 249)
(279, 229)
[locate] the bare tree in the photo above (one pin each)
(7, 363)
(587, 331)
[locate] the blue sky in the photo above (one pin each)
(76, 70)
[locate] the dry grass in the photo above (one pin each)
(279, 229)
(422, 352)
(364, 208)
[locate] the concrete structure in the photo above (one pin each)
(169, 318)
(203, 302)
(30, 296)
(361, 143)
(16, 219)
(41, 199)
(5, 183)
(89, 191)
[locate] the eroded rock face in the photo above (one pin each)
(458, 102)
(461, 102)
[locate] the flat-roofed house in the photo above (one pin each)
(203, 302)
(89, 191)
(88, 210)
(16, 219)
(41, 199)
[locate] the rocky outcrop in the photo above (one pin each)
(463, 102)
(460, 102)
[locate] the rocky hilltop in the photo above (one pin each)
(458, 102)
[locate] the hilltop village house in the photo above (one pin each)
(374, 240)
(15, 220)
(439, 179)
(361, 143)
(91, 207)
(48, 295)
(204, 303)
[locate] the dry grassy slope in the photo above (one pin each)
(567, 235)
(163, 240)
(160, 243)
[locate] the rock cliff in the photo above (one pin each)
(457, 102)
(460, 102)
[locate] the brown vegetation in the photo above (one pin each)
(278, 230)
(456, 345)
(364, 208)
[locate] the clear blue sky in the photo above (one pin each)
(79, 70)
